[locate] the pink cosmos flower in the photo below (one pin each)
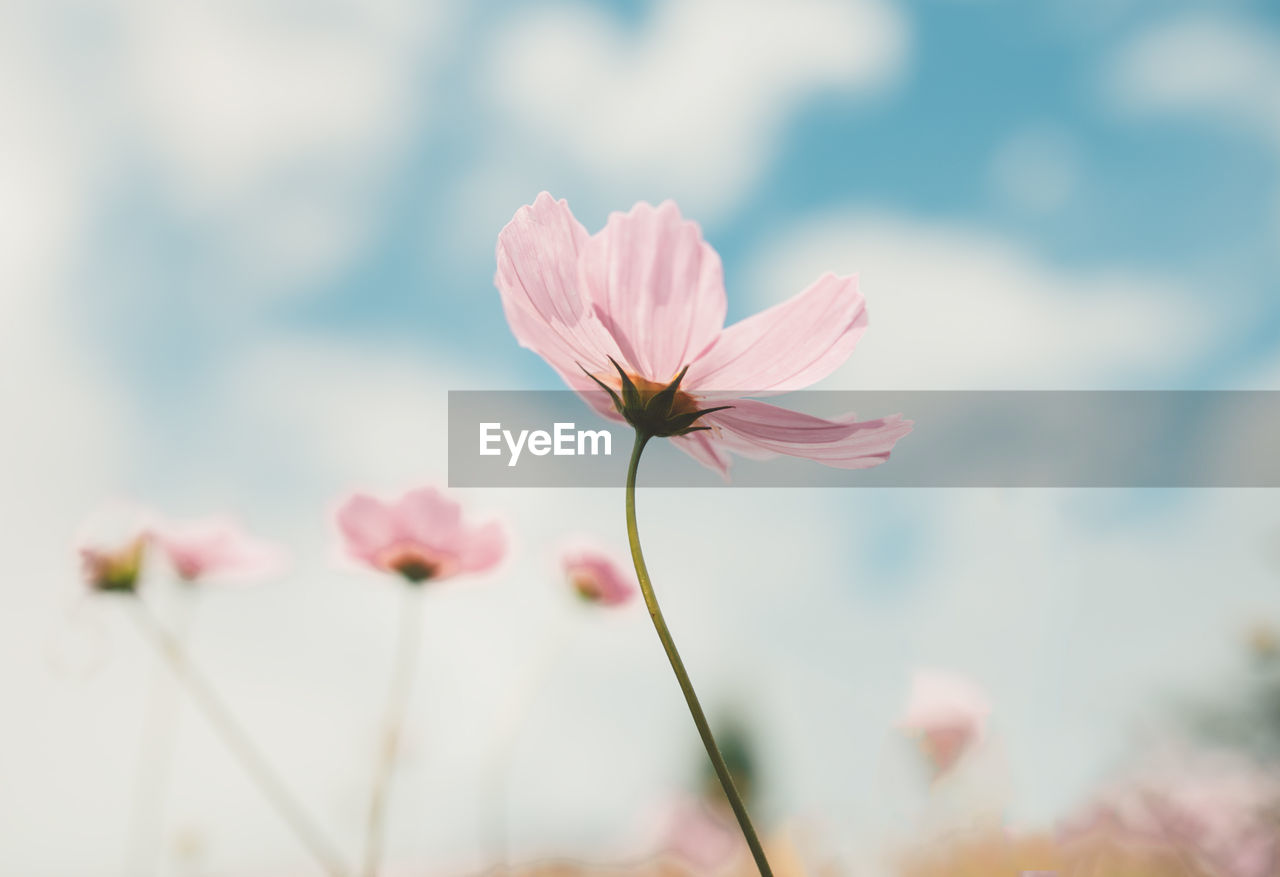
(638, 309)
(114, 568)
(214, 548)
(112, 545)
(597, 578)
(420, 536)
(948, 712)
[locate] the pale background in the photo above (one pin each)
(246, 248)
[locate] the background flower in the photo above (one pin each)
(948, 713)
(598, 578)
(421, 536)
(214, 548)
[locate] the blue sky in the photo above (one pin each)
(1175, 194)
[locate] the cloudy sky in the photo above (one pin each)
(247, 247)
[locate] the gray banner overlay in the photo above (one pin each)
(961, 439)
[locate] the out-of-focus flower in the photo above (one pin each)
(948, 713)
(1215, 810)
(637, 312)
(696, 834)
(421, 536)
(597, 578)
(214, 549)
(115, 568)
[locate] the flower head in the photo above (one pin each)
(420, 536)
(114, 569)
(200, 550)
(948, 713)
(596, 578)
(633, 319)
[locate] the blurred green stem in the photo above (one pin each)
(677, 665)
(408, 646)
(236, 740)
(158, 741)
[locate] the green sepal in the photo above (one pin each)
(630, 395)
(617, 403)
(659, 406)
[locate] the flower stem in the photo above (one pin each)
(158, 741)
(236, 740)
(407, 648)
(677, 665)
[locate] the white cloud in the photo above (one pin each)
(270, 127)
(1206, 65)
(695, 100)
(954, 307)
(1218, 68)
(231, 94)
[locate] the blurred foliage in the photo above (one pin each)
(1245, 713)
(739, 751)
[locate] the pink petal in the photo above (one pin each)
(705, 450)
(215, 548)
(368, 525)
(537, 276)
(787, 347)
(750, 426)
(427, 517)
(482, 548)
(598, 577)
(948, 712)
(657, 287)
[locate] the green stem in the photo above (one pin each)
(236, 740)
(408, 647)
(677, 665)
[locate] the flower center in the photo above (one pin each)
(681, 402)
(585, 585)
(114, 570)
(412, 563)
(655, 409)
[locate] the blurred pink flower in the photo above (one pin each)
(633, 307)
(1216, 809)
(421, 536)
(114, 568)
(597, 578)
(697, 835)
(214, 548)
(948, 712)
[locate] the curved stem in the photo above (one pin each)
(407, 647)
(236, 740)
(677, 665)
